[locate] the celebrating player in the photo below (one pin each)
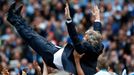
(62, 58)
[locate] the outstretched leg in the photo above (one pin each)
(37, 42)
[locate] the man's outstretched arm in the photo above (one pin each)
(72, 31)
(71, 26)
(77, 58)
(79, 46)
(97, 24)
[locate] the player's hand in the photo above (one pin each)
(96, 12)
(67, 12)
(77, 56)
(36, 66)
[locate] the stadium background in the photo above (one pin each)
(47, 18)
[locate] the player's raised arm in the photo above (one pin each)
(70, 26)
(67, 12)
(77, 58)
(97, 23)
(72, 31)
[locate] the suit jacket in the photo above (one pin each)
(47, 49)
(89, 60)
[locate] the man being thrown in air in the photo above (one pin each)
(62, 58)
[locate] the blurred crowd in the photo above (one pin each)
(47, 18)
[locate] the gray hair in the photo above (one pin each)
(94, 37)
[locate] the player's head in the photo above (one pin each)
(102, 62)
(93, 37)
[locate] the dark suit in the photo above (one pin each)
(89, 60)
(47, 49)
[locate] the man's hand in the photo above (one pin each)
(77, 63)
(96, 12)
(36, 66)
(67, 12)
(77, 56)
